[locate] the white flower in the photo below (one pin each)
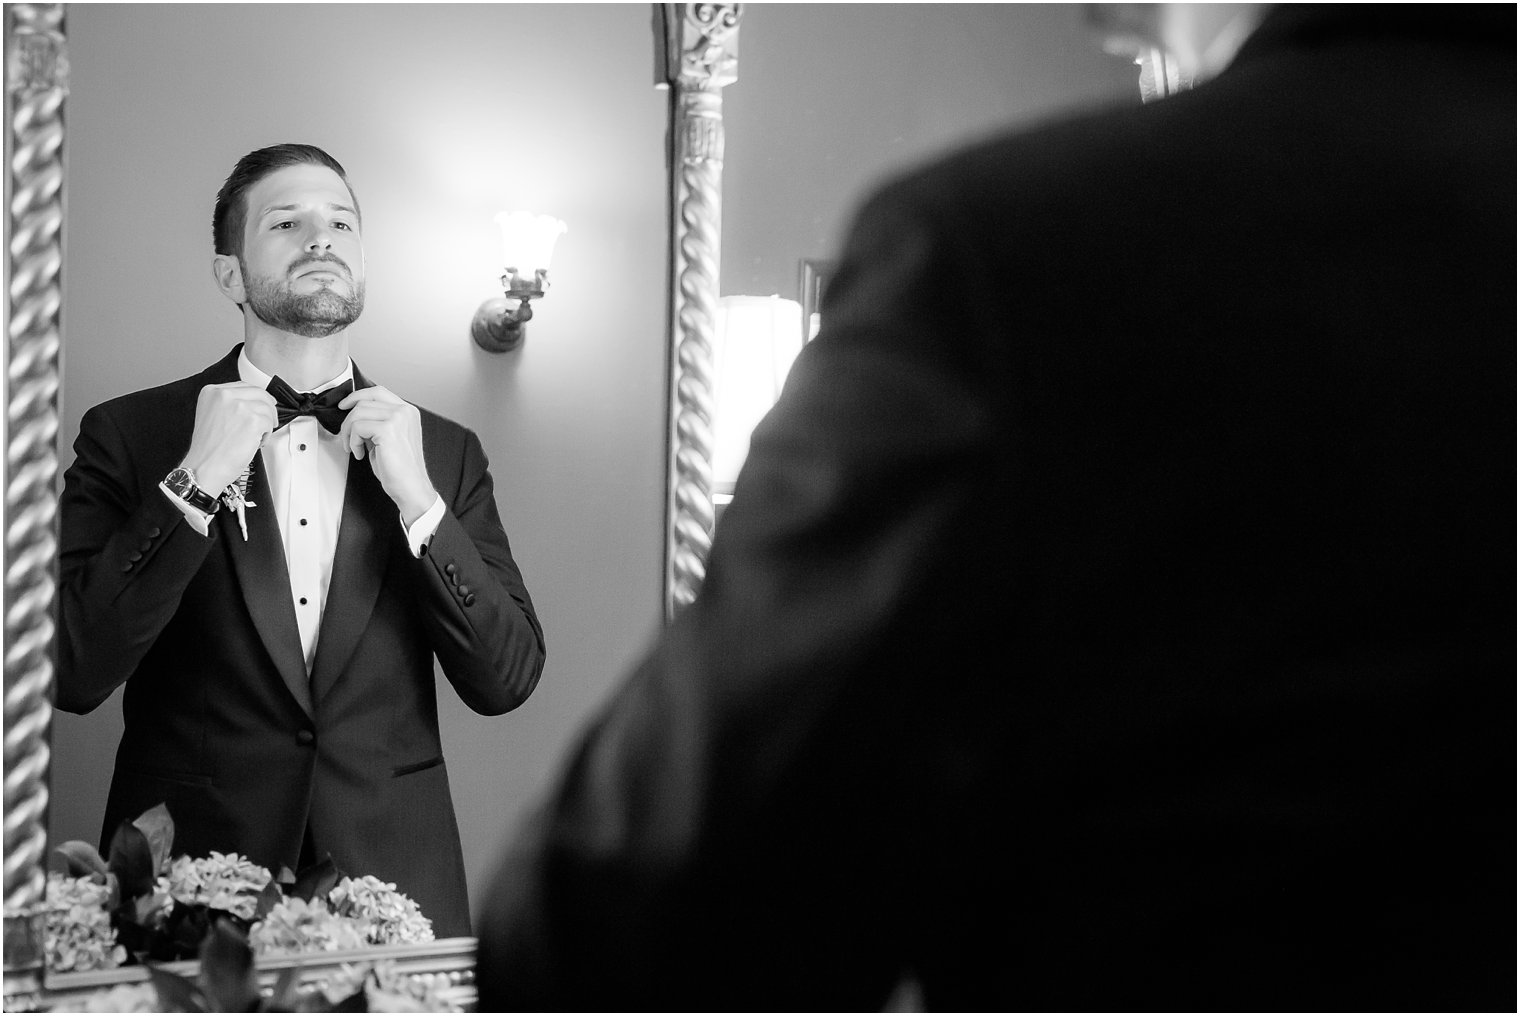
(227, 882)
(389, 917)
(294, 925)
(77, 931)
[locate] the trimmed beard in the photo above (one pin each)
(314, 315)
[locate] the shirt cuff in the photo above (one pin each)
(199, 521)
(421, 532)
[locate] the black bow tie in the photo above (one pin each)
(289, 404)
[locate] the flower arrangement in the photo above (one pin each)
(144, 905)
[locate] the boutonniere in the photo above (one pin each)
(235, 497)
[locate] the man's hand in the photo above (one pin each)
(231, 421)
(387, 429)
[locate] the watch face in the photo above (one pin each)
(180, 481)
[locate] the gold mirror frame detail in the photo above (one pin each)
(701, 56)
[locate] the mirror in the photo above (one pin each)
(441, 125)
(444, 115)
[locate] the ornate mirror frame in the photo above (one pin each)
(700, 57)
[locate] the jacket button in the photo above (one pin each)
(153, 533)
(305, 737)
(449, 568)
(469, 601)
(126, 567)
(135, 557)
(464, 590)
(147, 545)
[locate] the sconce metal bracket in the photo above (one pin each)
(497, 326)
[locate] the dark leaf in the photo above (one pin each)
(270, 895)
(227, 974)
(132, 861)
(158, 827)
(286, 876)
(139, 940)
(176, 993)
(184, 931)
(317, 880)
(78, 859)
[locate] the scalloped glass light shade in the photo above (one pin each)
(528, 240)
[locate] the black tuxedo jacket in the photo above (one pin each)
(222, 721)
(1117, 611)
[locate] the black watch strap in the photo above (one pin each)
(182, 482)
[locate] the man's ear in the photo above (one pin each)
(228, 273)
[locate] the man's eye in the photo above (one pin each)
(342, 225)
(287, 224)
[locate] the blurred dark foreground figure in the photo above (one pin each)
(1128, 625)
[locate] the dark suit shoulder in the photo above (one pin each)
(439, 429)
(147, 405)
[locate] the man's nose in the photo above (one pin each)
(319, 238)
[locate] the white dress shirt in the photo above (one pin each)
(307, 469)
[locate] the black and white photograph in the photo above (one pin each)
(767, 507)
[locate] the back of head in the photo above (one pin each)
(231, 212)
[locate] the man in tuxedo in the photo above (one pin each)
(270, 555)
(1129, 624)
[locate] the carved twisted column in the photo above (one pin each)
(36, 85)
(701, 57)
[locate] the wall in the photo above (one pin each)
(442, 115)
(831, 98)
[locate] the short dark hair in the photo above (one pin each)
(231, 212)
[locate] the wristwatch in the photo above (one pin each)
(182, 482)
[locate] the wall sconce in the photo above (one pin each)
(758, 337)
(528, 244)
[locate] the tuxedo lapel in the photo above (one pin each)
(265, 580)
(370, 523)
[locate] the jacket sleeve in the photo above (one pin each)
(126, 557)
(475, 606)
(718, 838)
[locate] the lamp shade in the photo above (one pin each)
(758, 337)
(528, 240)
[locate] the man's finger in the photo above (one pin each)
(376, 393)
